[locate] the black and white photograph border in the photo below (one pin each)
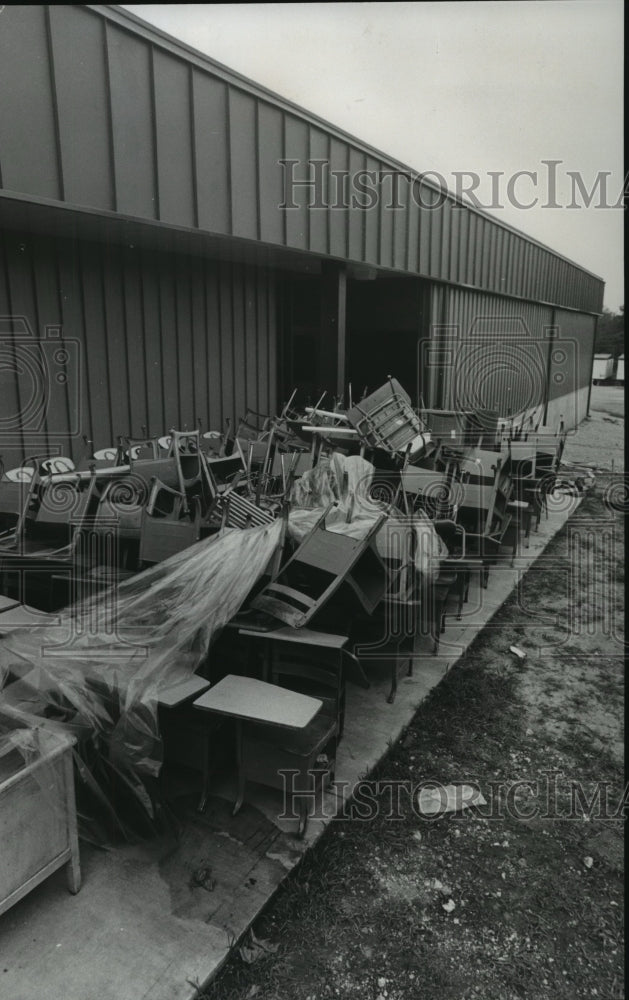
(312, 501)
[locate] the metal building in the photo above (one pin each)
(157, 265)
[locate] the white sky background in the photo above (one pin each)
(452, 86)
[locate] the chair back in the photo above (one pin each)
(23, 474)
(163, 537)
(59, 464)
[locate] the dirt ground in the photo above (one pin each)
(599, 440)
(521, 897)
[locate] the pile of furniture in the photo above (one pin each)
(331, 600)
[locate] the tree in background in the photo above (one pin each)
(610, 333)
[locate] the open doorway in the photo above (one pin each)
(386, 321)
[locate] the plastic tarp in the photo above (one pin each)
(95, 670)
(345, 481)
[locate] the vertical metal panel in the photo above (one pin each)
(423, 195)
(272, 350)
(48, 319)
(478, 250)
(199, 361)
(211, 135)
(82, 107)
(297, 146)
(470, 256)
(413, 229)
(132, 124)
(454, 238)
(436, 237)
(153, 360)
(135, 333)
(515, 268)
(242, 147)
(356, 220)
(372, 218)
(169, 343)
(162, 339)
(27, 114)
(95, 333)
(339, 153)
(386, 213)
(499, 360)
(446, 213)
(215, 368)
(270, 173)
(400, 227)
(261, 319)
(25, 310)
(464, 232)
(251, 342)
(240, 359)
(318, 231)
(11, 406)
(227, 341)
(121, 381)
(484, 253)
(174, 140)
(572, 352)
(186, 388)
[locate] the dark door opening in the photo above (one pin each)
(385, 327)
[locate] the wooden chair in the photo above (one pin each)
(17, 490)
(223, 471)
(214, 444)
(147, 459)
(323, 562)
(163, 537)
(185, 449)
(54, 531)
(310, 753)
(121, 503)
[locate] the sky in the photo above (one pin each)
(455, 87)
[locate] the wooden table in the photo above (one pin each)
(246, 699)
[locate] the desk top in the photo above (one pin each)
(257, 701)
(300, 636)
(173, 694)
(19, 616)
(7, 602)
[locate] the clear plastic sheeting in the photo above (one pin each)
(345, 482)
(96, 669)
(21, 748)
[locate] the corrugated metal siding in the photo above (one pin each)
(488, 352)
(153, 339)
(101, 112)
(572, 353)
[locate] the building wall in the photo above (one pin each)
(103, 113)
(487, 351)
(150, 339)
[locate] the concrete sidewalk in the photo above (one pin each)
(141, 926)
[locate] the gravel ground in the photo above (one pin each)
(599, 441)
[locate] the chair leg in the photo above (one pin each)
(461, 594)
(240, 797)
(392, 693)
(303, 818)
(205, 790)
